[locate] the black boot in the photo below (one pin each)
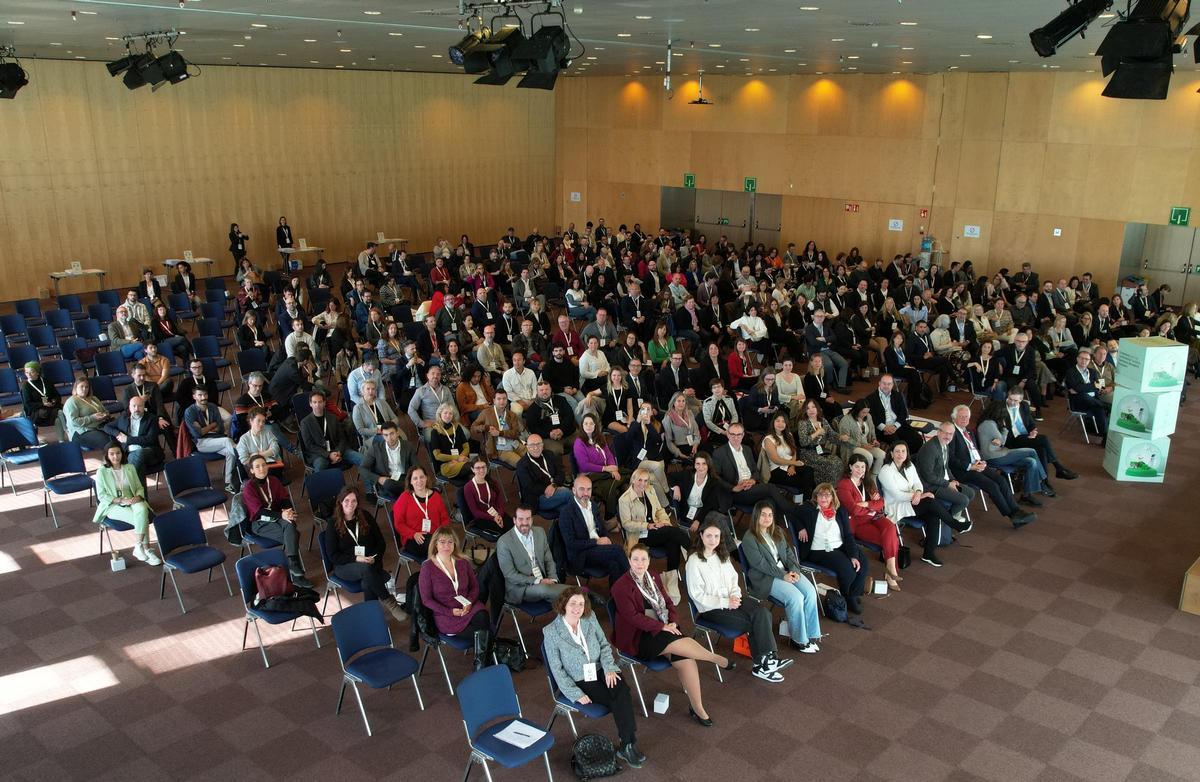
(483, 648)
(296, 573)
(631, 755)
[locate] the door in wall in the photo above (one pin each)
(1170, 255)
(768, 220)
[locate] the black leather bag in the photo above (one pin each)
(903, 557)
(593, 757)
(836, 609)
(508, 652)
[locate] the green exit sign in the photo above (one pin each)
(1180, 215)
(750, 184)
(689, 180)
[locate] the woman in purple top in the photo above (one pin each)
(594, 458)
(450, 590)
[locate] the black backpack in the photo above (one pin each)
(835, 606)
(509, 652)
(593, 756)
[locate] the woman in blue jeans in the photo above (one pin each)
(772, 570)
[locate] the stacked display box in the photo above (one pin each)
(1150, 376)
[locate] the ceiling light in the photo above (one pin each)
(906, 62)
(345, 51)
(954, 67)
(601, 48)
(852, 57)
(281, 54)
(436, 56)
(310, 40)
(809, 8)
(247, 37)
(590, 57)
(895, 72)
(396, 34)
(789, 51)
(984, 37)
(418, 46)
(110, 38)
(907, 48)
(226, 58)
(315, 62)
(339, 66)
(624, 35)
(1011, 62)
(908, 24)
(88, 13)
(852, 68)
(239, 46)
(720, 66)
(771, 70)
(643, 18)
(659, 62)
(837, 40)
(743, 59)
(752, 29)
(499, 51)
(52, 43)
(964, 55)
(714, 46)
(16, 23)
(372, 13)
(256, 24)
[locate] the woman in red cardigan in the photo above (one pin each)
(857, 493)
(419, 511)
(645, 627)
(485, 509)
(744, 370)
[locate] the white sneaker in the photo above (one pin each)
(777, 663)
(139, 552)
(151, 558)
(768, 674)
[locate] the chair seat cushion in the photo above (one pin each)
(353, 587)
(11, 399)
(460, 642)
(23, 456)
(260, 541)
(273, 617)
(116, 525)
(194, 560)
(721, 630)
(651, 663)
(382, 667)
(200, 499)
(593, 710)
(534, 608)
(506, 754)
(69, 484)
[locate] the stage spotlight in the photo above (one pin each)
(1073, 21)
(1138, 50)
(117, 67)
(464, 52)
(543, 55)
(12, 79)
(135, 76)
(499, 54)
(173, 67)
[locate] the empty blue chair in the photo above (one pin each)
(20, 355)
(10, 389)
(45, 340)
(70, 348)
(111, 298)
(99, 311)
(567, 707)
(183, 547)
(252, 360)
(216, 311)
(245, 568)
(63, 472)
(190, 486)
(106, 391)
(61, 321)
(112, 363)
(14, 327)
(210, 370)
(404, 558)
(489, 705)
(211, 327)
(88, 330)
(60, 373)
(169, 353)
(368, 655)
(334, 582)
(181, 305)
(656, 664)
(534, 609)
(31, 310)
(72, 304)
(18, 447)
(321, 487)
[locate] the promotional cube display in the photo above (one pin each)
(1135, 459)
(1151, 364)
(1143, 414)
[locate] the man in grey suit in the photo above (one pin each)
(933, 467)
(385, 462)
(525, 561)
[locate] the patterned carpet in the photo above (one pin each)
(1050, 653)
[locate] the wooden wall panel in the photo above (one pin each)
(1020, 175)
(121, 179)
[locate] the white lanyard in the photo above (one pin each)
(352, 532)
(542, 465)
(258, 446)
(424, 506)
(41, 390)
(451, 574)
(578, 637)
(267, 495)
(479, 488)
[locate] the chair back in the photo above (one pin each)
(177, 528)
(58, 319)
(64, 458)
(58, 372)
(214, 309)
(103, 387)
(8, 381)
(246, 566)
(179, 302)
(69, 346)
(111, 298)
(187, 473)
(323, 547)
(206, 347)
(88, 329)
(214, 283)
(70, 302)
(359, 627)
(213, 294)
(555, 691)
(252, 360)
(13, 324)
(42, 336)
(167, 351)
(485, 696)
(101, 312)
(210, 365)
(209, 327)
(18, 432)
(29, 309)
(324, 486)
(20, 355)
(300, 406)
(110, 362)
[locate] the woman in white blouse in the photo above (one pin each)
(593, 366)
(712, 585)
(791, 388)
(905, 498)
(753, 329)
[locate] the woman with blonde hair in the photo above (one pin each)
(646, 521)
(450, 443)
(86, 417)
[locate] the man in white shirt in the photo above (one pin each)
(736, 468)
(520, 382)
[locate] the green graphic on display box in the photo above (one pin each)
(1144, 414)
(1151, 364)
(1129, 458)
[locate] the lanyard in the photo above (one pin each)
(479, 488)
(578, 637)
(267, 495)
(451, 573)
(41, 390)
(353, 533)
(423, 506)
(543, 466)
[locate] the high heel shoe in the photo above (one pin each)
(705, 721)
(730, 664)
(893, 584)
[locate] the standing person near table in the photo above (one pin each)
(237, 245)
(283, 238)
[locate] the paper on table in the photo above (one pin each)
(520, 735)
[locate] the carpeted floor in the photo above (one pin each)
(1050, 653)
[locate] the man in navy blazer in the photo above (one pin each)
(584, 533)
(890, 414)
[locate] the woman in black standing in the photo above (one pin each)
(283, 238)
(237, 245)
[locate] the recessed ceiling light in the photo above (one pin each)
(802, 63)
(771, 70)
(315, 62)
(789, 51)
(984, 37)
(111, 38)
(590, 57)
(895, 72)
(418, 46)
(339, 66)
(396, 34)
(16, 23)
(372, 13)
(714, 46)
(601, 48)
(52, 43)
(809, 8)
(720, 66)
(624, 35)
(837, 40)
(247, 37)
(908, 24)
(1055, 67)
(659, 62)
(1013, 61)
(820, 73)
(743, 59)
(643, 18)
(906, 62)
(81, 57)
(226, 58)
(277, 54)
(239, 46)
(345, 51)
(752, 29)
(954, 67)
(964, 55)
(256, 24)
(852, 68)
(436, 56)
(88, 13)
(852, 57)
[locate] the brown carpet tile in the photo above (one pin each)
(1050, 653)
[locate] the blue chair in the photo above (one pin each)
(31, 310)
(334, 582)
(88, 330)
(215, 310)
(10, 389)
(70, 347)
(169, 353)
(20, 355)
(63, 472)
(252, 360)
(181, 305)
(403, 558)
(60, 373)
(101, 312)
(208, 349)
(45, 340)
(368, 655)
(108, 526)
(112, 363)
(190, 486)
(588, 573)
(321, 487)
(655, 664)
(211, 327)
(534, 609)
(18, 447)
(14, 327)
(567, 707)
(245, 568)
(708, 628)
(489, 704)
(72, 304)
(106, 391)
(210, 370)
(111, 298)
(61, 321)
(183, 547)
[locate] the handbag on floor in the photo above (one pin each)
(593, 756)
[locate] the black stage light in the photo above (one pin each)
(117, 67)
(1073, 21)
(134, 77)
(543, 55)
(1138, 50)
(460, 53)
(1141, 79)
(12, 79)
(499, 54)
(173, 67)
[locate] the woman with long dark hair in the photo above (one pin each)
(356, 548)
